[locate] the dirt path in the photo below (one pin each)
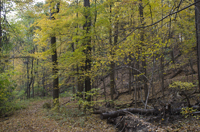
(34, 119)
(31, 119)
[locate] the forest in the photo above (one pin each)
(99, 65)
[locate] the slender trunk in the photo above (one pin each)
(28, 88)
(1, 44)
(141, 8)
(162, 71)
(137, 78)
(80, 81)
(112, 79)
(79, 68)
(38, 80)
(197, 23)
(112, 65)
(43, 83)
(104, 86)
(130, 74)
(73, 78)
(162, 61)
(32, 77)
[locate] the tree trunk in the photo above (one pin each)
(38, 80)
(1, 44)
(43, 83)
(130, 74)
(79, 68)
(162, 71)
(79, 82)
(32, 77)
(162, 61)
(141, 8)
(73, 78)
(197, 22)
(55, 62)
(87, 43)
(28, 86)
(112, 79)
(112, 65)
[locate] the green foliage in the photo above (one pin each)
(55, 104)
(10, 106)
(19, 94)
(66, 94)
(6, 87)
(182, 85)
(83, 103)
(187, 111)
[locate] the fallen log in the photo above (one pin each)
(113, 114)
(165, 110)
(133, 123)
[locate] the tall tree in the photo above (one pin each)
(112, 64)
(87, 43)
(197, 22)
(141, 8)
(162, 59)
(54, 10)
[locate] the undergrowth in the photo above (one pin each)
(9, 107)
(73, 116)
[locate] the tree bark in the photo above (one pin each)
(162, 61)
(141, 8)
(1, 44)
(130, 74)
(197, 23)
(32, 77)
(112, 65)
(55, 61)
(87, 43)
(73, 78)
(27, 72)
(43, 83)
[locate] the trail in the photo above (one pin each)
(34, 119)
(31, 119)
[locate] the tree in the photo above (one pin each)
(87, 43)
(54, 56)
(197, 23)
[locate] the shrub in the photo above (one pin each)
(7, 85)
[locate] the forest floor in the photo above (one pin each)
(36, 119)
